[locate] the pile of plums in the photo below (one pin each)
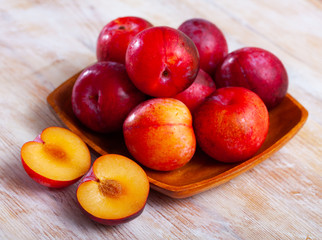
(170, 89)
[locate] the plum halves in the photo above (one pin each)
(114, 191)
(56, 158)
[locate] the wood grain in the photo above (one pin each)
(43, 43)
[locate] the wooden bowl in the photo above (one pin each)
(202, 172)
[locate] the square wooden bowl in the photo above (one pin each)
(202, 172)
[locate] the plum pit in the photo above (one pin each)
(55, 151)
(110, 188)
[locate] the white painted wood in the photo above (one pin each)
(42, 43)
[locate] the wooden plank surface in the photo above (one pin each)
(43, 43)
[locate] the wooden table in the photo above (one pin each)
(43, 43)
